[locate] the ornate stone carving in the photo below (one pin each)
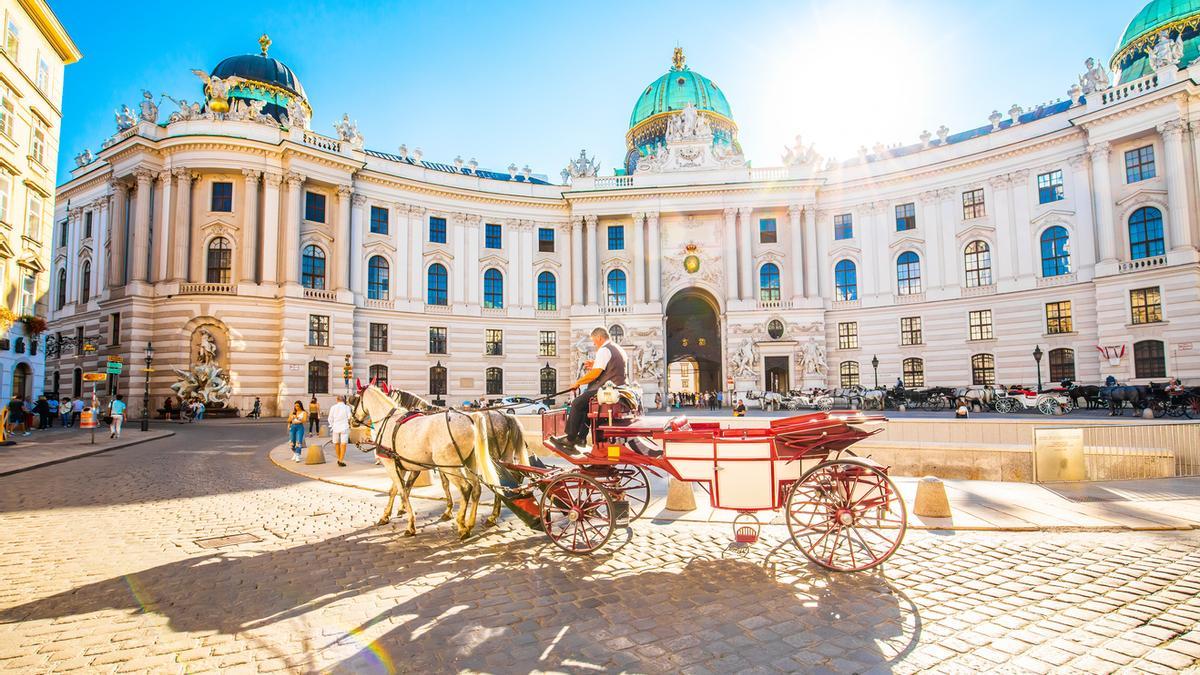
(995, 118)
(1094, 77)
(347, 132)
(1165, 52)
(84, 158)
(187, 111)
(648, 362)
(273, 179)
(689, 146)
(581, 167)
(1100, 151)
(1171, 129)
(358, 200)
(125, 118)
(743, 361)
(252, 175)
(297, 117)
(206, 380)
(149, 109)
(800, 154)
(294, 179)
(692, 265)
(811, 358)
(217, 90)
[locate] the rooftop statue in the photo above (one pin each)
(348, 131)
(84, 158)
(149, 108)
(125, 118)
(582, 166)
(799, 154)
(187, 111)
(217, 89)
(1095, 78)
(1165, 52)
(295, 115)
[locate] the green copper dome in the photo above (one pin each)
(674, 90)
(1180, 18)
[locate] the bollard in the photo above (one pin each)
(314, 455)
(931, 499)
(1147, 414)
(423, 480)
(680, 496)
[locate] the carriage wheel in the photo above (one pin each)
(846, 515)
(1006, 405)
(1158, 408)
(825, 404)
(936, 403)
(630, 480)
(1191, 407)
(577, 513)
(1047, 406)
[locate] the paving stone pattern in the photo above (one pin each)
(100, 572)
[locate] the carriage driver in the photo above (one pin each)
(608, 366)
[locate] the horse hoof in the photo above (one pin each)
(384, 521)
(410, 533)
(463, 536)
(446, 516)
(490, 522)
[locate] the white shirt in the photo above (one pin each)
(338, 418)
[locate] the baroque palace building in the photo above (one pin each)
(1070, 227)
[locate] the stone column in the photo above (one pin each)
(1008, 240)
(795, 268)
(511, 238)
(655, 250)
(118, 242)
(638, 258)
(74, 235)
(341, 241)
(469, 229)
(162, 230)
(1102, 189)
(458, 271)
(357, 205)
(269, 253)
(291, 229)
(528, 230)
(731, 256)
(593, 261)
(1019, 225)
(181, 228)
(812, 268)
(948, 224)
(141, 229)
(416, 253)
(249, 248)
(825, 286)
(99, 238)
(576, 228)
(876, 272)
(745, 259)
(1180, 221)
(936, 240)
(398, 218)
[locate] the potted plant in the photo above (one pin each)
(34, 325)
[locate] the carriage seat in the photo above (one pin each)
(678, 423)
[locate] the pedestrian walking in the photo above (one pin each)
(296, 421)
(338, 421)
(256, 411)
(42, 409)
(16, 415)
(314, 417)
(200, 408)
(116, 410)
(76, 411)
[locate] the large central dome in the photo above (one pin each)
(1180, 18)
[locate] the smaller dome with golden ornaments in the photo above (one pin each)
(263, 78)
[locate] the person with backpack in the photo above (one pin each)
(116, 410)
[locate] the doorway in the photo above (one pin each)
(694, 337)
(776, 368)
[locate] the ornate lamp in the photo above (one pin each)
(875, 366)
(1037, 357)
(146, 390)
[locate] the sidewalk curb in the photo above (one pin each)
(292, 470)
(90, 453)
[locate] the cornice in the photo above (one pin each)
(448, 192)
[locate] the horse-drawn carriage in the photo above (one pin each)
(843, 512)
(1019, 399)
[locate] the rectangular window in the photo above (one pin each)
(1058, 317)
(7, 111)
(12, 40)
(848, 335)
(318, 330)
(1145, 304)
(378, 337)
(616, 237)
(379, 220)
(843, 226)
(437, 340)
(767, 231)
(1139, 164)
(910, 330)
(491, 237)
(5, 191)
(437, 230)
(981, 324)
(64, 232)
(545, 240)
(33, 223)
(87, 225)
(114, 328)
(547, 343)
(318, 377)
(906, 217)
(493, 339)
(314, 207)
(37, 141)
(43, 75)
(973, 204)
(222, 197)
(1050, 187)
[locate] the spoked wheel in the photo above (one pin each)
(630, 480)
(846, 515)
(1007, 405)
(577, 513)
(1048, 405)
(825, 404)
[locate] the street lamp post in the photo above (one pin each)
(875, 366)
(440, 388)
(146, 391)
(1037, 358)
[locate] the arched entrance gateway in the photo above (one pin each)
(694, 341)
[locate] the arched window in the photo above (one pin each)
(493, 379)
(318, 377)
(908, 273)
(377, 278)
(768, 283)
(20, 380)
(1149, 359)
(85, 281)
(377, 374)
(1062, 364)
(549, 380)
(983, 369)
(913, 372)
(1056, 252)
(77, 382)
(616, 334)
(436, 284)
(220, 262)
(437, 380)
(845, 277)
(977, 261)
(61, 300)
(493, 289)
(848, 372)
(312, 267)
(547, 292)
(1145, 233)
(616, 289)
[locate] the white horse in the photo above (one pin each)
(454, 442)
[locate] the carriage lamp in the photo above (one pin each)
(1037, 358)
(875, 367)
(146, 392)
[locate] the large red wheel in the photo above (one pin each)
(628, 481)
(846, 515)
(577, 513)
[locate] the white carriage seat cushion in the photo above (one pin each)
(678, 423)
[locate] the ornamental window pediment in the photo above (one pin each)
(219, 228)
(313, 234)
(613, 260)
(907, 241)
(1143, 197)
(444, 257)
(1056, 215)
(493, 260)
(845, 248)
(976, 230)
(382, 247)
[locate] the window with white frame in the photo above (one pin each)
(7, 110)
(37, 141)
(33, 221)
(43, 75)
(12, 40)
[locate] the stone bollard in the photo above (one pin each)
(931, 499)
(1147, 414)
(680, 496)
(423, 480)
(314, 455)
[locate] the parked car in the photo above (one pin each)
(520, 405)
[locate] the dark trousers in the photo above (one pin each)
(314, 425)
(577, 418)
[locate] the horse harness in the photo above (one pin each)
(398, 460)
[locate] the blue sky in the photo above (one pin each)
(532, 83)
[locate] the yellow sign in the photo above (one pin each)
(614, 451)
(95, 377)
(1058, 454)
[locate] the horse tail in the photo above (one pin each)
(516, 440)
(481, 458)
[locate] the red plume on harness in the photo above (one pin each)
(384, 387)
(358, 385)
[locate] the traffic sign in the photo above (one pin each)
(95, 377)
(114, 368)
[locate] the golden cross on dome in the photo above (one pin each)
(677, 59)
(264, 42)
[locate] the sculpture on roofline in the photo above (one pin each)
(149, 108)
(582, 166)
(799, 154)
(187, 111)
(296, 117)
(348, 131)
(125, 118)
(1095, 78)
(1165, 52)
(217, 89)
(84, 158)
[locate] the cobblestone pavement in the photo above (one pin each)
(99, 571)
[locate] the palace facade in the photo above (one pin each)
(1070, 228)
